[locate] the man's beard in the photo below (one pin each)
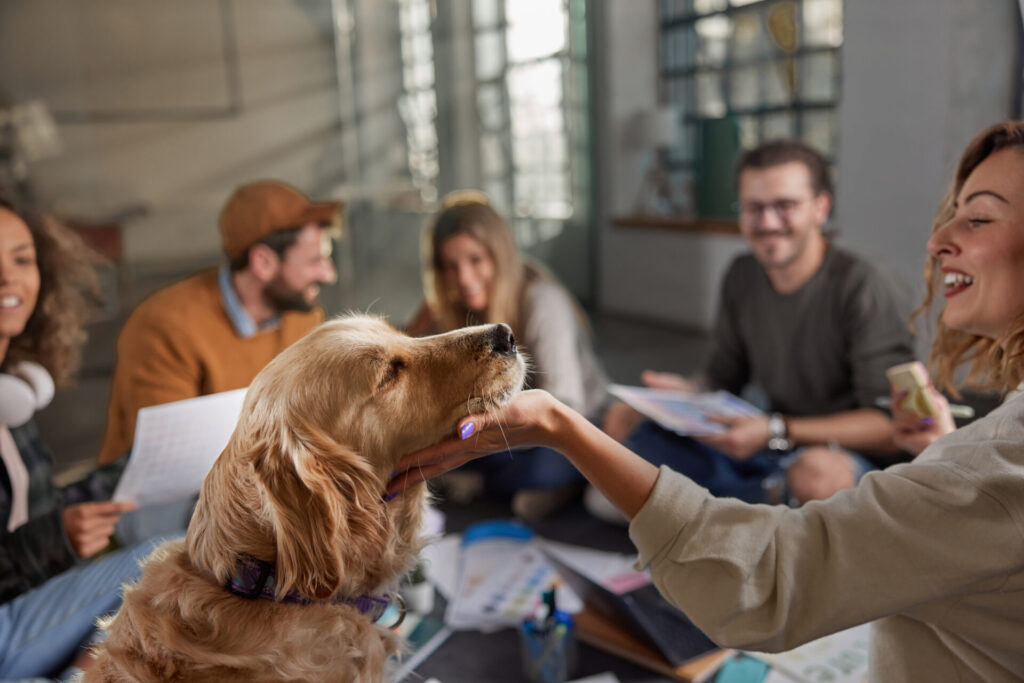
(283, 298)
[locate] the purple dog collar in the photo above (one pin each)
(254, 579)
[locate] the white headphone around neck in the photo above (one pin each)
(24, 388)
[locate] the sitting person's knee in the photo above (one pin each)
(819, 472)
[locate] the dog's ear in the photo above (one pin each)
(324, 502)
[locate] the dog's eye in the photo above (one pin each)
(394, 368)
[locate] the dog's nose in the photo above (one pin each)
(502, 340)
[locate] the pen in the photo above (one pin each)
(963, 412)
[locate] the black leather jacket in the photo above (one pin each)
(39, 549)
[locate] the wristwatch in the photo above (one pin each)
(778, 438)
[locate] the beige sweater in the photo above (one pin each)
(933, 549)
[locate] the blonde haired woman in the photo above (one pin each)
(473, 273)
(931, 551)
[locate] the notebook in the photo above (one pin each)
(643, 611)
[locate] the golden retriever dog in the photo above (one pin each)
(295, 502)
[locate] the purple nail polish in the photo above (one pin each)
(467, 430)
(926, 422)
(391, 496)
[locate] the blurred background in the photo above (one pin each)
(605, 130)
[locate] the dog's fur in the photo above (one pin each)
(300, 485)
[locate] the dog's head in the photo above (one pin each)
(301, 480)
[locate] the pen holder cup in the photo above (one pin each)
(549, 651)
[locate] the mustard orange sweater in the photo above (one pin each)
(179, 343)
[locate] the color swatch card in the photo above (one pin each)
(502, 577)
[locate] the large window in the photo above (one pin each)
(528, 92)
(743, 71)
(418, 104)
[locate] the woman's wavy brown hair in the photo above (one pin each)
(468, 212)
(992, 363)
(68, 293)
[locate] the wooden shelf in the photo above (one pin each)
(680, 224)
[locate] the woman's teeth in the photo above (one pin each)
(10, 301)
(958, 280)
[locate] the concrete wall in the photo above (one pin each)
(173, 140)
(654, 274)
(919, 78)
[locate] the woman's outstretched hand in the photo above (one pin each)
(528, 420)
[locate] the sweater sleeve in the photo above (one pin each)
(551, 338)
(32, 553)
(771, 578)
(154, 366)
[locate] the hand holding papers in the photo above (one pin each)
(176, 445)
(682, 412)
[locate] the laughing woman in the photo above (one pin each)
(932, 549)
(49, 598)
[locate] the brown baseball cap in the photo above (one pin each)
(258, 209)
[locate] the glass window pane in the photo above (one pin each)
(492, 155)
(490, 55)
(497, 192)
(749, 40)
(818, 82)
(750, 131)
(779, 79)
(486, 13)
(537, 28)
(777, 125)
(539, 152)
(490, 103)
(819, 131)
(713, 40)
(745, 87)
(710, 95)
(537, 85)
(823, 23)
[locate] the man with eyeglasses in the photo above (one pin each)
(811, 327)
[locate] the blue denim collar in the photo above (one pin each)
(243, 323)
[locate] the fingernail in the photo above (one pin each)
(467, 430)
(391, 496)
(926, 422)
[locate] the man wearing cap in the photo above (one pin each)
(215, 330)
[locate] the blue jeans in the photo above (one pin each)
(714, 470)
(527, 468)
(42, 630)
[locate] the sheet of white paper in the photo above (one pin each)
(176, 445)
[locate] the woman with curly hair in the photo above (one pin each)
(49, 597)
(930, 551)
(474, 273)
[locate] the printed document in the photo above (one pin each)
(176, 445)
